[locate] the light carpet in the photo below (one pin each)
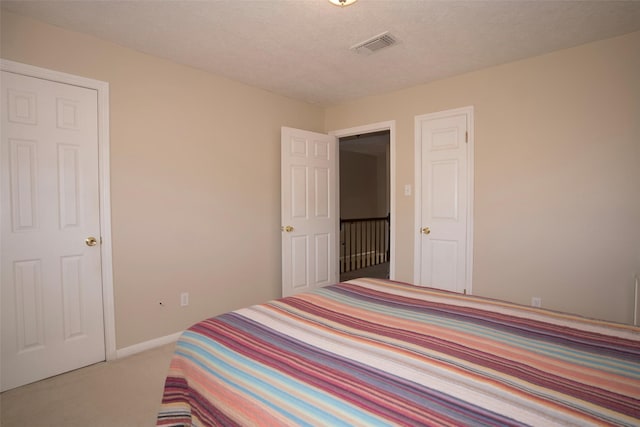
(124, 393)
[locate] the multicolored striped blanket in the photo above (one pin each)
(375, 352)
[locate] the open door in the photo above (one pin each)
(309, 210)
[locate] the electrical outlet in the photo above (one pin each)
(184, 299)
(536, 302)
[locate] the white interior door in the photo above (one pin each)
(52, 310)
(444, 188)
(309, 210)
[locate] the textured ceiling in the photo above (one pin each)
(301, 48)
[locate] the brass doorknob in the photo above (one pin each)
(91, 241)
(287, 228)
(425, 230)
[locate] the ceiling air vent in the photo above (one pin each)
(374, 44)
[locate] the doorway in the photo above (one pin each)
(302, 270)
(365, 204)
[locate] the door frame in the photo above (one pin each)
(468, 111)
(370, 128)
(102, 89)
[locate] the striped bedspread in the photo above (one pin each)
(373, 352)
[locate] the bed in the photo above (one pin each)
(379, 352)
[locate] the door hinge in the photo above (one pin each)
(466, 136)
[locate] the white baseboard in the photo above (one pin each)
(147, 345)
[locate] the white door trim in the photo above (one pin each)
(370, 128)
(468, 111)
(102, 89)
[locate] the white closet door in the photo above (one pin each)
(444, 189)
(52, 311)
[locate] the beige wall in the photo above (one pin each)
(195, 178)
(359, 186)
(196, 191)
(557, 174)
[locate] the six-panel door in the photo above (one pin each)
(309, 217)
(52, 311)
